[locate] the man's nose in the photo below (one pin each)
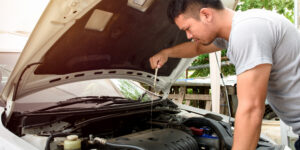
(189, 35)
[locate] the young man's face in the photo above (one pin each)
(196, 29)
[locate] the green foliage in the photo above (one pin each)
(285, 7)
(130, 91)
(228, 70)
(203, 59)
(189, 91)
(200, 73)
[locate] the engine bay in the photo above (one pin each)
(165, 132)
(136, 127)
(162, 128)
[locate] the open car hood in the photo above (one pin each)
(78, 40)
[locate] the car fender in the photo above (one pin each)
(9, 141)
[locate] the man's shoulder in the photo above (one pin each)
(258, 22)
(253, 15)
(255, 21)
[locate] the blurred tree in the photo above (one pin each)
(285, 7)
(131, 91)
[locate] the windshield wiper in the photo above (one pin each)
(142, 96)
(91, 99)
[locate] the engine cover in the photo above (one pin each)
(159, 139)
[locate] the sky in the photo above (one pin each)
(17, 20)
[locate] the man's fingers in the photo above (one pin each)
(159, 63)
(150, 60)
(153, 62)
(158, 66)
(156, 61)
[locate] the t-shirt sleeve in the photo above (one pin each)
(252, 43)
(220, 43)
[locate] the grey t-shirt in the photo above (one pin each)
(264, 37)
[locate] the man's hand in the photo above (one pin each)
(251, 90)
(158, 60)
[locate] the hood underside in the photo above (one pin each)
(127, 41)
(77, 40)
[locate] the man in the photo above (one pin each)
(263, 46)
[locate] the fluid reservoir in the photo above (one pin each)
(72, 143)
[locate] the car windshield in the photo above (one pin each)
(122, 88)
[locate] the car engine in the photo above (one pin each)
(169, 134)
(160, 139)
(165, 127)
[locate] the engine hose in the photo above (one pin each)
(114, 145)
(51, 137)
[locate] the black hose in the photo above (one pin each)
(52, 136)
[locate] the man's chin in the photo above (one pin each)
(206, 43)
(202, 42)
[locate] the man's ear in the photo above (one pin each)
(206, 15)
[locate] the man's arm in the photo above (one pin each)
(251, 89)
(189, 50)
(184, 50)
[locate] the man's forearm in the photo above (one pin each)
(184, 50)
(251, 91)
(247, 128)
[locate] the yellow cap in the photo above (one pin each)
(72, 143)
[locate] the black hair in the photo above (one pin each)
(177, 7)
